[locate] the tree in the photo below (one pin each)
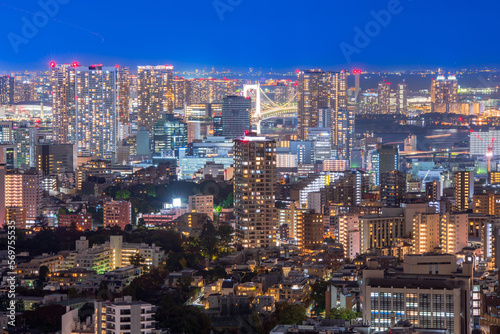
(318, 290)
(225, 236)
(290, 314)
(123, 194)
(137, 260)
(343, 313)
(208, 239)
(45, 318)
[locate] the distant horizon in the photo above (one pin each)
(385, 35)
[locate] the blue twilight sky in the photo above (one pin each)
(238, 34)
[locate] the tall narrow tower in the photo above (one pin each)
(254, 192)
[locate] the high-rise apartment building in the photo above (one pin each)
(254, 191)
(123, 97)
(6, 89)
(63, 103)
(401, 98)
(319, 90)
(464, 190)
(88, 103)
(155, 94)
(23, 190)
(392, 188)
(384, 97)
(309, 230)
(343, 134)
(235, 116)
(444, 95)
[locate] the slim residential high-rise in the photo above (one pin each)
(401, 98)
(384, 97)
(254, 192)
(444, 95)
(319, 90)
(22, 190)
(63, 103)
(343, 135)
(464, 190)
(123, 98)
(155, 93)
(6, 89)
(235, 116)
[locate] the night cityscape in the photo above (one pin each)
(233, 167)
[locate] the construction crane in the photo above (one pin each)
(489, 153)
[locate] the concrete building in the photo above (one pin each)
(254, 191)
(124, 316)
(202, 204)
(117, 213)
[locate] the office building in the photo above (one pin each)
(170, 134)
(384, 160)
(319, 90)
(254, 192)
(55, 158)
(430, 294)
(155, 94)
(235, 116)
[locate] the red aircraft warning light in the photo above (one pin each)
(75, 64)
(52, 64)
(356, 71)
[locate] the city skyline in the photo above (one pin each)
(394, 40)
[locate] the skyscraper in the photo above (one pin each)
(343, 135)
(401, 98)
(6, 89)
(385, 160)
(384, 97)
(444, 95)
(235, 116)
(123, 87)
(155, 93)
(63, 103)
(96, 105)
(319, 90)
(254, 191)
(170, 133)
(86, 102)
